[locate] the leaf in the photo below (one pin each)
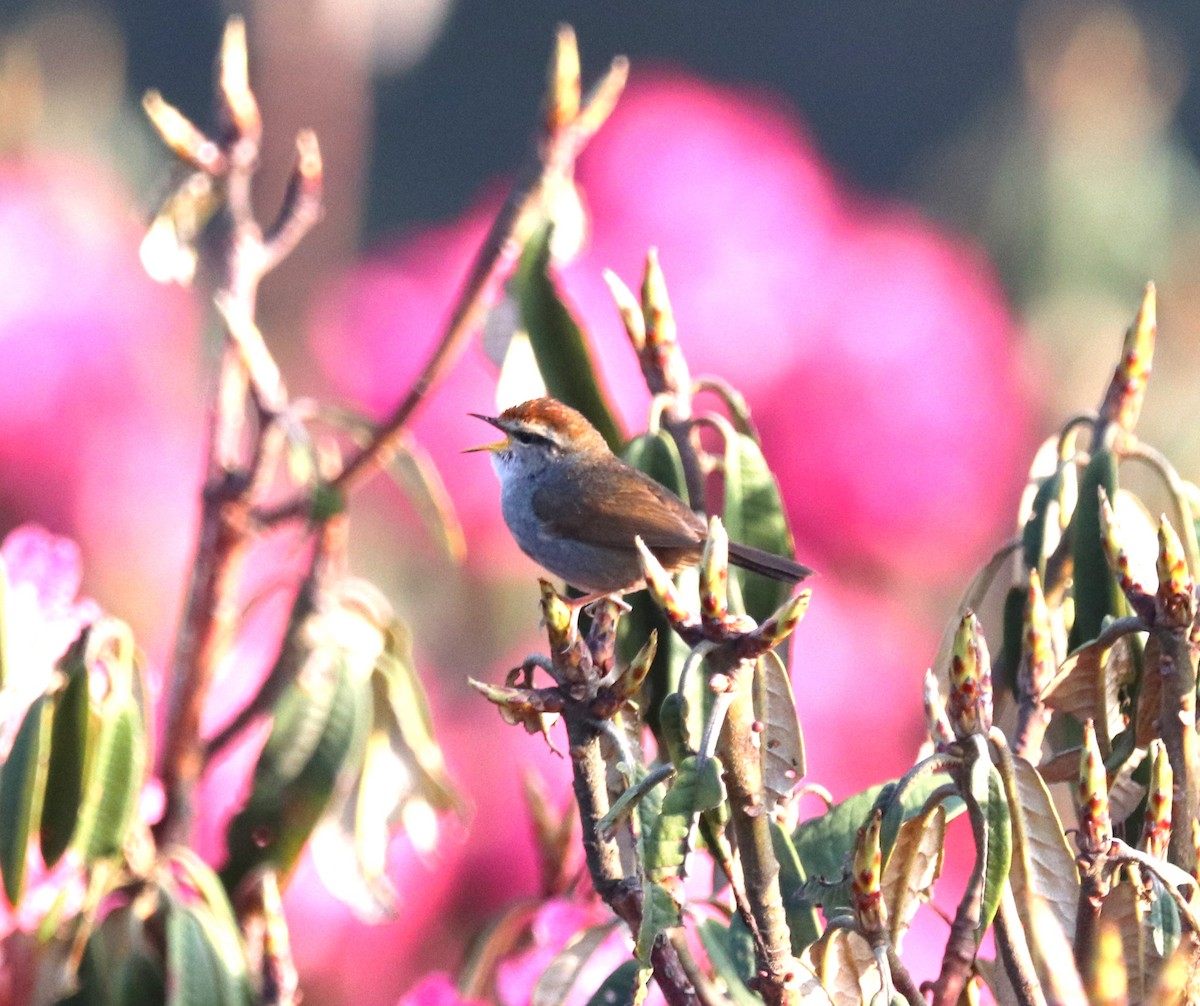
(782, 741)
(196, 974)
(402, 782)
(823, 843)
(1053, 874)
(1009, 662)
(618, 987)
(660, 912)
(1088, 686)
(1127, 910)
(657, 456)
(801, 912)
(561, 974)
(121, 966)
(68, 766)
(114, 784)
(1097, 595)
(843, 961)
(753, 515)
(320, 728)
(558, 344)
(729, 965)
(987, 788)
(422, 484)
(22, 789)
(697, 787)
(217, 917)
(913, 867)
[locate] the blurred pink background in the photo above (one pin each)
(877, 350)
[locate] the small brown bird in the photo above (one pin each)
(575, 508)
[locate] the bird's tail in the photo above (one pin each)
(777, 567)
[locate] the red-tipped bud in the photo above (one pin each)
(1114, 548)
(970, 705)
(1037, 649)
(1123, 401)
(866, 881)
(663, 363)
(1176, 599)
(1095, 821)
(1156, 826)
(714, 576)
(629, 682)
(602, 635)
(663, 589)
(783, 623)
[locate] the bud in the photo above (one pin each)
(1176, 603)
(1156, 826)
(1123, 401)
(970, 705)
(867, 877)
(1095, 822)
(714, 576)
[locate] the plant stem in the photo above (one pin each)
(622, 894)
(742, 760)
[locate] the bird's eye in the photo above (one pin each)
(526, 437)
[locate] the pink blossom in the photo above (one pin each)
(100, 420)
(43, 613)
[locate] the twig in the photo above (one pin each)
(550, 167)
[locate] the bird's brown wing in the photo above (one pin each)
(639, 506)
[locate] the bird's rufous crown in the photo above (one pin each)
(558, 421)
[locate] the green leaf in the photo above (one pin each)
(204, 921)
(660, 912)
(753, 515)
(823, 843)
(727, 951)
(801, 912)
(121, 966)
(1014, 632)
(22, 789)
(696, 788)
(987, 789)
(196, 975)
(319, 733)
(68, 767)
(114, 783)
(618, 988)
(558, 344)
(657, 456)
(1097, 595)
(1165, 926)
(1033, 535)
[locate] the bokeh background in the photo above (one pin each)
(911, 234)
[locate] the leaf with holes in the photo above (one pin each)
(697, 787)
(782, 741)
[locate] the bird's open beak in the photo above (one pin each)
(498, 445)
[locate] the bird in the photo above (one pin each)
(576, 509)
